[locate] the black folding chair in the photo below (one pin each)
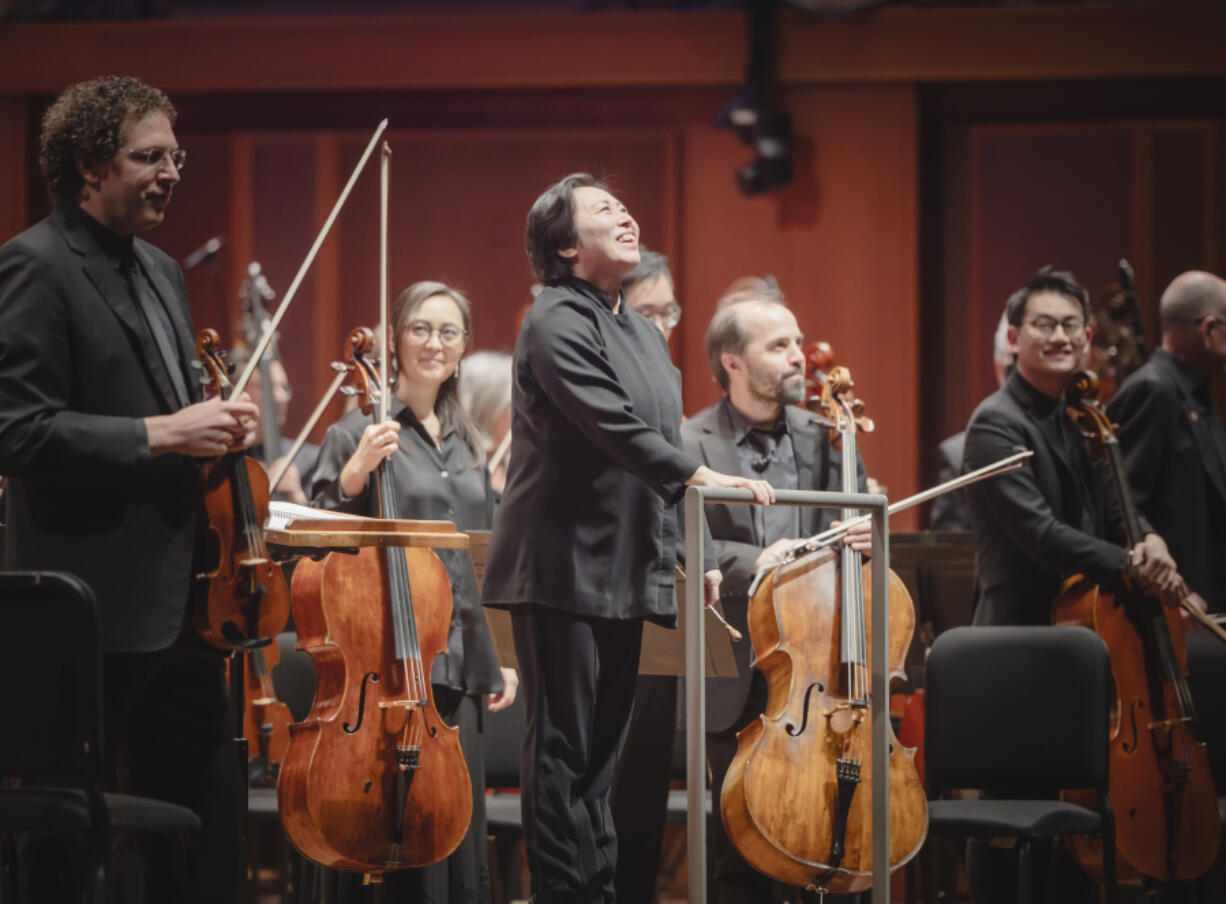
(51, 747)
(1011, 711)
(503, 737)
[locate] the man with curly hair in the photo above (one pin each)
(101, 427)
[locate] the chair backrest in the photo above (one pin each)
(1207, 680)
(1018, 708)
(293, 678)
(503, 737)
(51, 670)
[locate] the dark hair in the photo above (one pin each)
(85, 125)
(651, 265)
(551, 228)
(725, 334)
(451, 413)
(1047, 280)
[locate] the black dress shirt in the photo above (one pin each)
(770, 455)
(435, 483)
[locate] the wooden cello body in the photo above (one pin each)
(1161, 790)
(1167, 824)
(373, 780)
(797, 767)
(792, 800)
(341, 792)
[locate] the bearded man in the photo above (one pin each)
(755, 349)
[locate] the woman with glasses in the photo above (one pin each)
(438, 467)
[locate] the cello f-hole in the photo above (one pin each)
(373, 678)
(791, 727)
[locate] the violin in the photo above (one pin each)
(792, 802)
(265, 718)
(1119, 346)
(373, 780)
(1166, 813)
(242, 596)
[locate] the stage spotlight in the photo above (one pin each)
(772, 168)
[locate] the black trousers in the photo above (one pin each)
(577, 677)
(639, 798)
(169, 735)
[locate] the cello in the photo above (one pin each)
(1166, 812)
(790, 801)
(242, 598)
(350, 793)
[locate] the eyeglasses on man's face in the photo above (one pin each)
(158, 156)
(667, 315)
(419, 333)
(1074, 327)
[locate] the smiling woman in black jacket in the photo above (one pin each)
(584, 543)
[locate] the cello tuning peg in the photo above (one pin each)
(339, 366)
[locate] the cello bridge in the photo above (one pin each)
(398, 704)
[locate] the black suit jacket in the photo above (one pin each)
(588, 518)
(711, 438)
(79, 370)
(1038, 525)
(1174, 458)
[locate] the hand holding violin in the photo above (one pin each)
(205, 429)
(377, 444)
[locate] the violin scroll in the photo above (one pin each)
(359, 345)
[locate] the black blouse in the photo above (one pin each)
(588, 521)
(433, 483)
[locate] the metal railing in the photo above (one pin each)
(695, 685)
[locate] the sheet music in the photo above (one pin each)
(281, 514)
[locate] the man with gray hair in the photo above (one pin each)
(1173, 441)
(755, 350)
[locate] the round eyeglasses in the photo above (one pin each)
(419, 332)
(158, 156)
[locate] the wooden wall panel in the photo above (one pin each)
(458, 205)
(17, 158)
(619, 48)
(841, 240)
(1078, 196)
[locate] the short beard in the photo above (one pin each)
(794, 394)
(780, 393)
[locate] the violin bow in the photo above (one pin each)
(258, 352)
(300, 439)
(501, 452)
(385, 163)
(829, 537)
(1204, 620)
